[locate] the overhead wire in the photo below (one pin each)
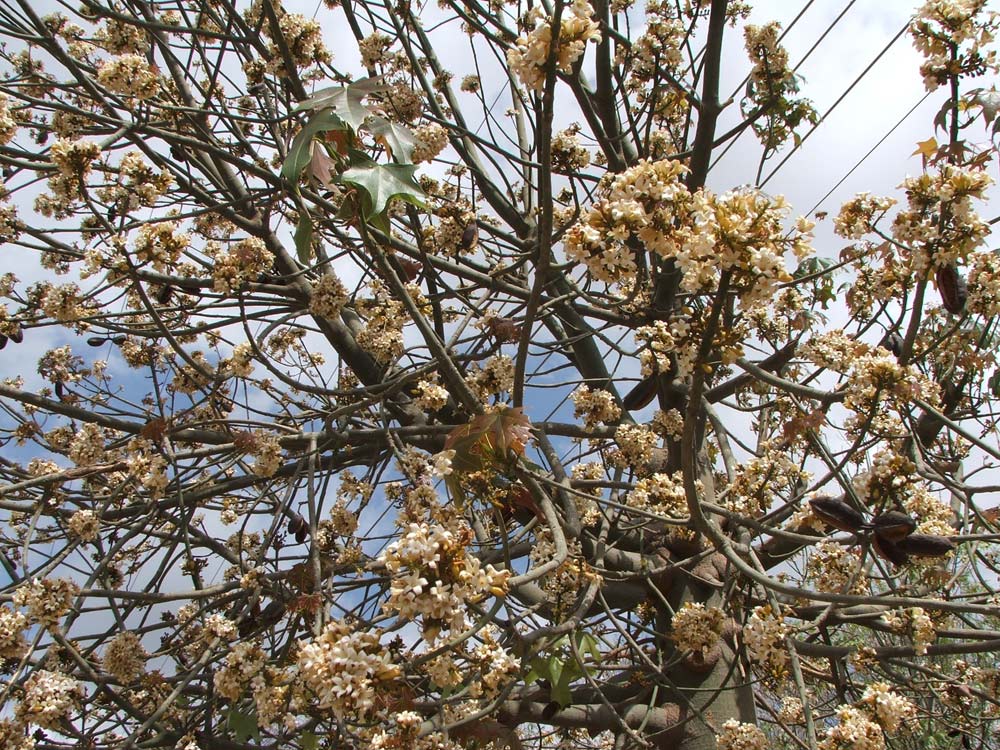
(837, 103)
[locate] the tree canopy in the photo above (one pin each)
(366, 402)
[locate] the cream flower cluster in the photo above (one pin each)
(660, 493)
(130, 75)
(914, 622)
(939, 224)
(892, 481)
(434, 578)
(48, 698)
(429, 141)
(879, 390)
(695, 627)
(243, 662)
(738, 736)
(764, 639)
(241, 263)
(836, 569)
(329, 295)
(863, 725)
(346, 669)
(12, 642)
(125, 657)
(740, 232)
(46, 599)
(595, 406)
(531, 53)
(954, 36)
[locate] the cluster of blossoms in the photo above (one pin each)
(329, 295)
(296, 35)
(739, 233)
(431, 396)
(243, 662)
(635, 445)
(563, 585)
(8, 125)
(12, 626)
(129, 75)
(66, 304)
(863, 725)
(660, 493)
(892, 482)
(266, 450)
(529, 57)
(764, 639)
(160, 244)
(435, 578)
(429, 141)
(494, 377)
(916, 623)
(346, 669)
(74, 161)
(697, 628)
(125, 657)
(953, 36)
(879, 390)
(984, 284)
(759, 480)
(568, 154)
(738, 736)
(239, 264)
(939, 225)
(84, 525)
(48, 699)
(773, 88)
(836, 569)
(382, 336)
(657, 48)
(595, 406)
(136, 185)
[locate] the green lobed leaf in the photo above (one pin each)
(345, 101)
(382, 183)
(243, 725)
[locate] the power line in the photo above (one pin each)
(870, 152)
(841, 98)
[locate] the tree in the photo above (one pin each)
(372, 416)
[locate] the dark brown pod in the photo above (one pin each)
(894, 343)
(470, 236)
(894, 525)
(642, 395)
(96, 341)
(889, 551)
(3, 341)
(164, 294)
(298, 526)
(17, 335)
(837, 513)
(411, 268)
(926, 545)
(120, 339)
(954, 291)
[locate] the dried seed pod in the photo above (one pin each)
(96, 341)
(837, 513)
(164, 294)
(954, 291)
(894, 343)
(504, 330)
(3, 341)
(298, 526)
(119, 340)
(17, 335)
(894, 525)
(411, 268)
(926, 545)
(642, 395)
(890, 551)
(470, 236)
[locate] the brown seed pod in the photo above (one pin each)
(954, 291)
(17, 335)
(642, 395)
(894, 525)
(470, 236)
(837, 513)
(926, 545)
(298, 526)
(889, 551)
(894, 343)
(411, 268)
